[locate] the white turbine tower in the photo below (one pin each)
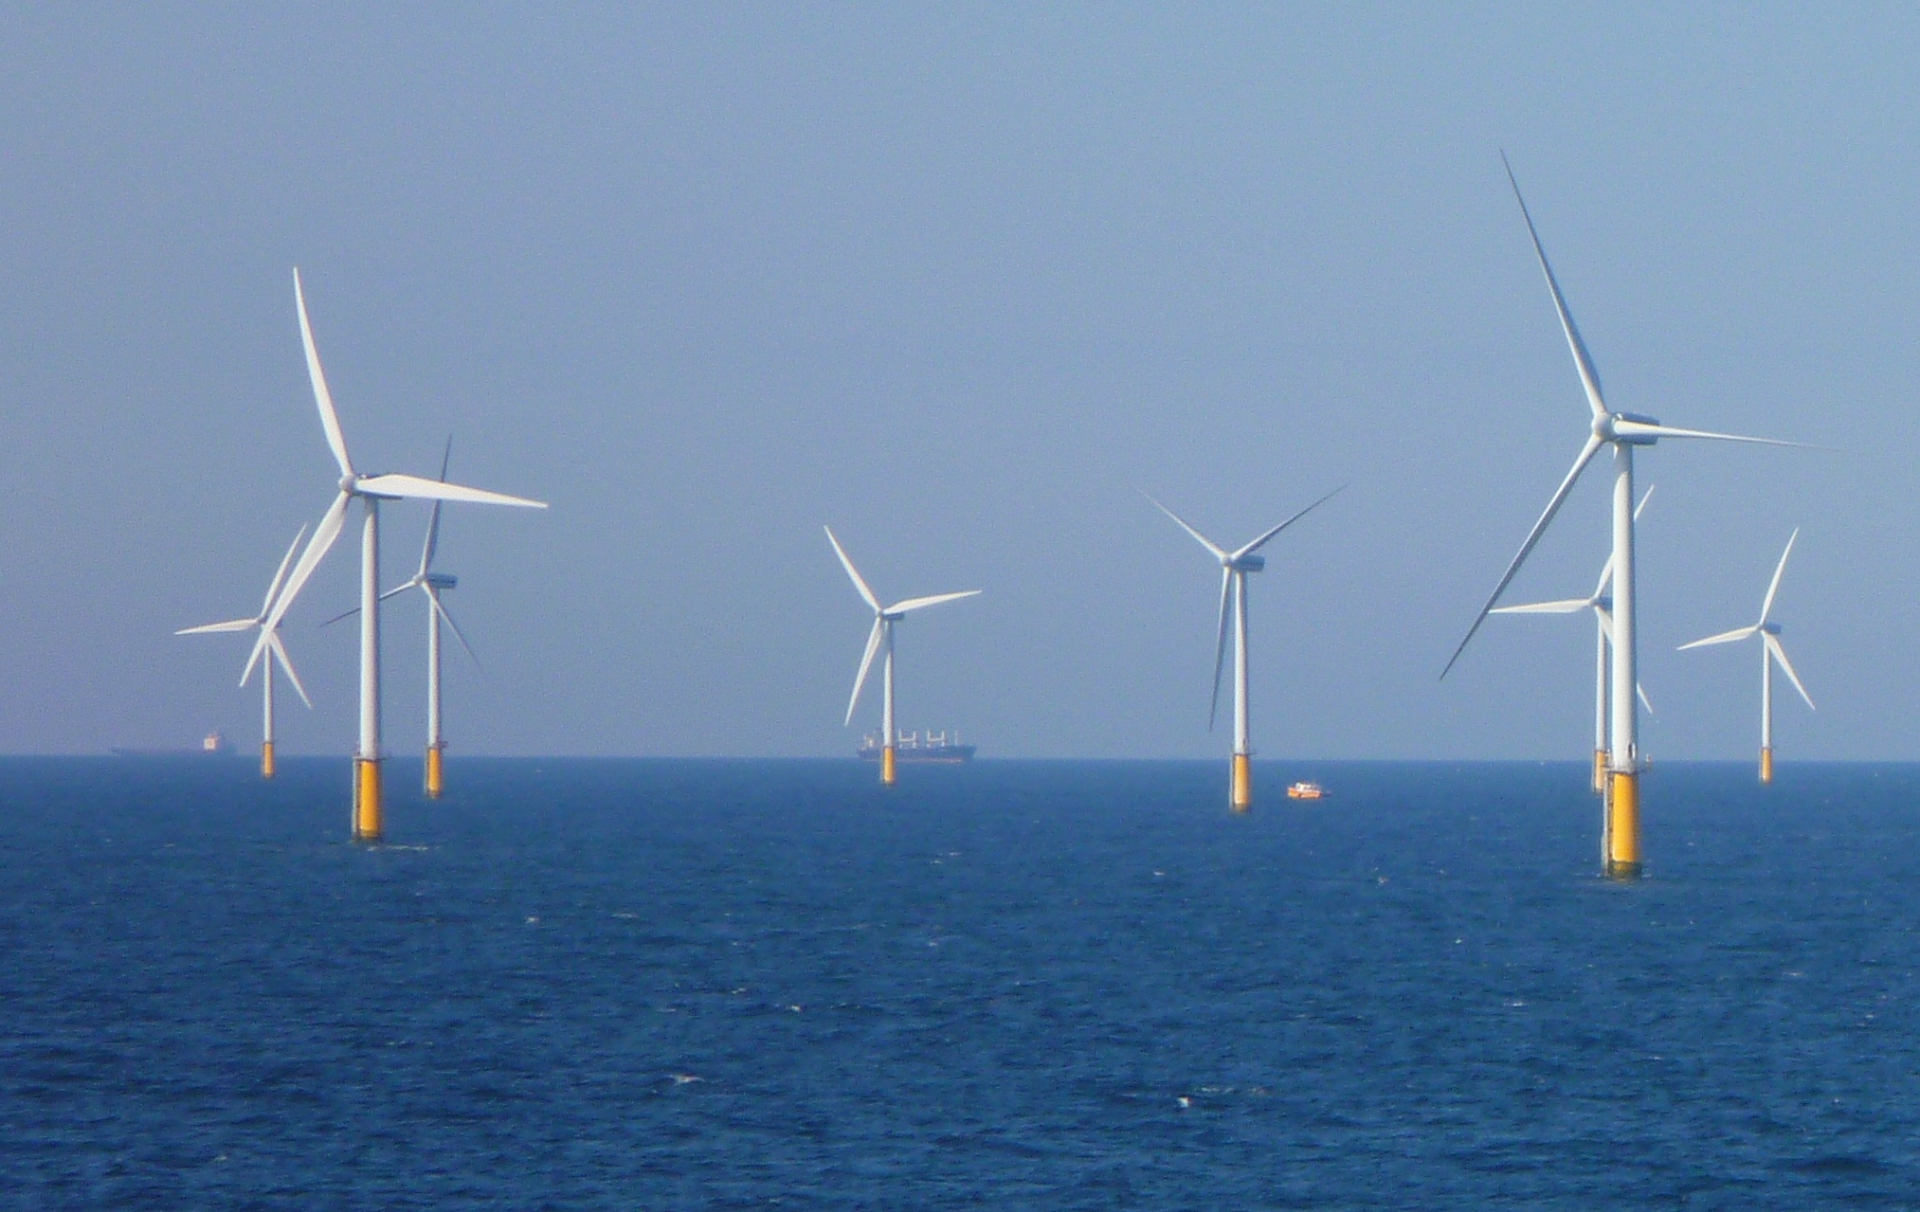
(1621, 432)
(369, 490)
(432, 584)
(1770, 651)
(270, 635)
(884, 617)
(1601, 603)
(1234, 567)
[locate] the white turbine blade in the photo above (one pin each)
(1644, 498)
(1725, 637)
(229, 625)
(1220, 647)
(259, 650)
(1219, 552)
(1766, 607)
(433, 521)
(329, 419)
(1589, 377)
(1642, 429)
(935, 600)
(1594, 443)
(433, 539)
(317, 547)
(859, 583)
(1605, 618)
(280, 651)
(1563, 606)
(866, 663)
(1780, 655)
(1262, 541)
(1644, 700)
(348, 613)
(448, 619)
(419, 488)
(274, 589)
(1606, 578)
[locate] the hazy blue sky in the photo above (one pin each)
(959, 282)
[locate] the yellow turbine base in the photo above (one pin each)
(366, 800)
(266, 759)
(436, 782)
(887, 771)
(1623, 826)
(1240, 799)
(1766, 765)
(1599, 772)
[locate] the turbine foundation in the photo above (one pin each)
(1766, 764)
(1240, 798)
(435, 781)
(266, 759)
(887, 771)
(1623, 825)
(366, 800)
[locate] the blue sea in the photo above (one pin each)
(1047, 985)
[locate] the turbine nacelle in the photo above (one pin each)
(1251, 563)
(440, 580)
(1626, 427)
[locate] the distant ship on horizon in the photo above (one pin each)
(214, 744)
(912, 747)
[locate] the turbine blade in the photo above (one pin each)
(1780, 655)
(935, 600)
(329, 419)
(1220, 647)
(1606, 578)
(858, 582)
(1563, 606)
(866, 663)
(259, 650)
(345, 614)
(1219, 552)
(1644, 498)
(280, 651)
(433, 520)
(1644, 700)
(229, 625)
(420, 488)
(1589, 377)
(433, 539)
(1605, 619)
(317, 547)
(401, 588)
(1725, 637)
(448, 619)
(1260, 542)
(274, 588)
(1766, 607)
(1642, 429)
(1594, 443)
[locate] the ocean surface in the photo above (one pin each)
(1046, 985)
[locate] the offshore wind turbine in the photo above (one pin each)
(276, 650)
(1601, 603)
(1621, 432)
(884, 617)
(369, 490)
(1234, 567)
(1770, 651)
(432, 584)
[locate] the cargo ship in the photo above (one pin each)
(211, 745)
(913, 747)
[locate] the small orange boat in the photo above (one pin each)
(1306, 791)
